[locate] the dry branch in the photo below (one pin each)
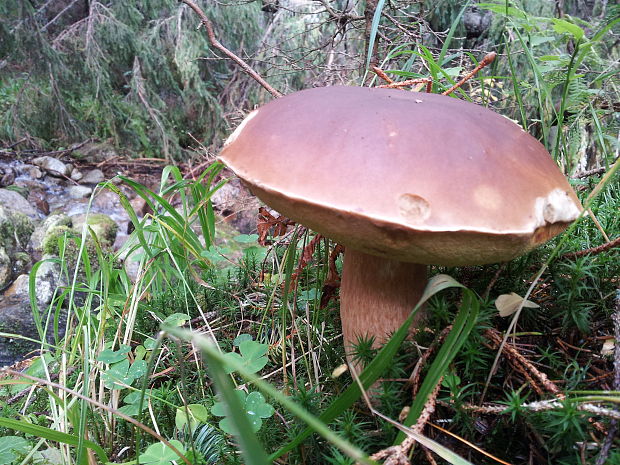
(216, 43)
(594, 250)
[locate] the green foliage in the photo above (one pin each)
(252, 355)
(130, 73)
(11, 447)
(161, 454)
(254, 406)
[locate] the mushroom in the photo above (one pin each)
(403, 180)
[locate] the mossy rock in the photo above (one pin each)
(14, 226)
(23, 191)
(104, 227)
(43, 230)
(50, 244)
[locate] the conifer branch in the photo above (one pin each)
(206, 22)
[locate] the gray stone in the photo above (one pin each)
(41, 231)
(49, 278)
(19, 286)
(93, 177)
(76, 175)
(79, 192)
(14, 201)
(52, 166)
(95, 152)
(16, 318)
(104, 227)
(6, 273)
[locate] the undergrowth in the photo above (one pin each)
(225, 352)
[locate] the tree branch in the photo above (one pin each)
(216, 43)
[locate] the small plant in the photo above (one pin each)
(251, 358)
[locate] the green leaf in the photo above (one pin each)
(177, 319)
(246, 238)
(52, 435)
(215, 254)
(12, 447)
(241, 338)
(160, 454)
(254, 406)
(121, 374)
(374, 27)
(132, 404)
(257, 408)
(113, 356)
(564, 27)
(197, 414)
(252, 356)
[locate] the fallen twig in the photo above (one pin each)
(524, 363)
(594, 250)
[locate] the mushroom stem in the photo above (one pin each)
(377, 295)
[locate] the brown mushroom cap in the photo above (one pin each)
(415, 177)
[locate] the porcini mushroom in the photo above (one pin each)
(403, 180)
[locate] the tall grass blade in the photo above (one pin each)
(51, 435)
(463, 324)
(374, 28)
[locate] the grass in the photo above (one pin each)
(215, 353)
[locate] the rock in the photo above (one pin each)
(13, 201)
(15, 231)
(6, 270)
(52, 165)
(139, 205)
(225, 197)
(107, 201)
(16, 318)
(19, 286)
(38, 198)
(49, 278)
(7, 177)
(21, 262)
(44, 229)
(35, 172)
(476, 21)
(79, 192)
(104, 227)
(93, 177)
(95, 152)
(76, 175)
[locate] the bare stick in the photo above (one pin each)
(487, 60)
(594, 250)
(495, 337)
(216, 43)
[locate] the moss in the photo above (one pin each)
(14, 225)
(104, 227)
(23, 191)
(50, 241)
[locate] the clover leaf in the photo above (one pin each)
(252, 356)
(121, 374)
(11, 447)
(113, 356)
(254, 406)
(160, 454)
(197, 414)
